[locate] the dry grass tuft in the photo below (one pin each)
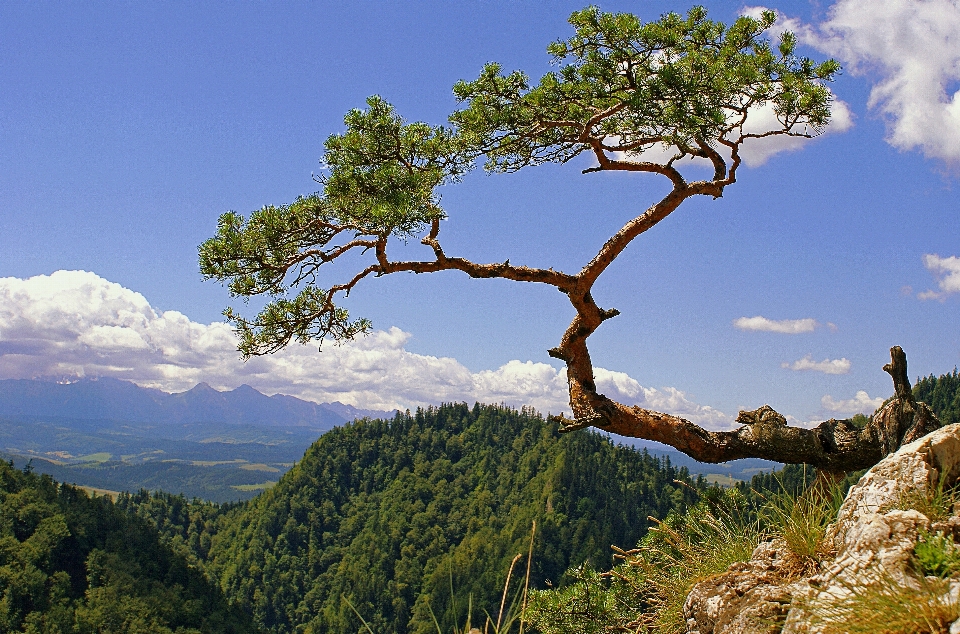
(887, 607)
(802, 521)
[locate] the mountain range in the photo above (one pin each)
(107, 398)
(115, 435)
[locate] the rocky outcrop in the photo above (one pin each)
(874, 539)
(746, 595)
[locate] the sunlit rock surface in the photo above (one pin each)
(873, 537)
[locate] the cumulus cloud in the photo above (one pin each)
(911, 51)
(827, 366)
(861, 403)
(754, 152)
(947, 273)
(75, 323)
(785, 326)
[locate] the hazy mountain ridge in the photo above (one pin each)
(107, 398)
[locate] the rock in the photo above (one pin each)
(746, 599)
(871, 534)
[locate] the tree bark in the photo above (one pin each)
(833, 446)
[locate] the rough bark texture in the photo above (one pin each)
(833, 446)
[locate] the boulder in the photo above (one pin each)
(872, 537)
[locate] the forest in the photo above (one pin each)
(401, 525)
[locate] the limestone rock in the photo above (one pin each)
(745, 599)
(871, 534)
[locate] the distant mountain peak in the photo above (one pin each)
(203, 386)
(108, 398)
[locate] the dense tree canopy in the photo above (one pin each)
(636, 97)
(74, 564)
(418, 517)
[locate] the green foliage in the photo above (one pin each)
(942, 394)
(622, 86)
(680, 81)
(648, 588)
(937, 555)
(801, 520)
(420, 516)
(71, 563)
(383, 171)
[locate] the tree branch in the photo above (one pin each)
(834, 445)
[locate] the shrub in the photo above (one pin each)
(937, 555)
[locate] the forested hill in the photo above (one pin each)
(942, 394)
(390, 515)
(71, 563)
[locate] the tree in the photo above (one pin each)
(623, 91)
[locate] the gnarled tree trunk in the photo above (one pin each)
(832, 446)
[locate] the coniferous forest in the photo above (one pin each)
(69, 563)
(420, 516)
(406, 525)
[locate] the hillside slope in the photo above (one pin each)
(392, 515)
(942, 394)
(71, 563)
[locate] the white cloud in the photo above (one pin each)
(754, 152)
(75, 323)
(911, 50)
(827, 366)
(947, 272)
(861, 403)
(786, 326)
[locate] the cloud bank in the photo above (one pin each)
(75, 323)
(827, 366)
(947, 273)
(911, 51)
(785, 326)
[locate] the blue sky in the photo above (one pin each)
(127, 128)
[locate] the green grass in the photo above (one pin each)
(937, 555)
(646, 591)
(801, 521)
(937, 503)
(102, 456)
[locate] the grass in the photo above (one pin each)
(801, 521)
(263, 486)
(937, 503)
(887, 607)
(679, 557)
(102, 456)
(937, 555)
(647, 589)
